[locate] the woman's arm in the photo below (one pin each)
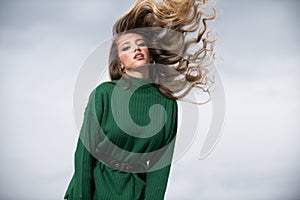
(160, 163)
(156, 181)
(82, 183)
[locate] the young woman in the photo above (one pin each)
(127, 138)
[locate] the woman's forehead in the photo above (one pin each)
(128, 37)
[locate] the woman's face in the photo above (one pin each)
(132, 51)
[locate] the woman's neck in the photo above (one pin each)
(140, 72)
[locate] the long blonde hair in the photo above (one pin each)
(176, 33)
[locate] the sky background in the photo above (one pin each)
(43, 45)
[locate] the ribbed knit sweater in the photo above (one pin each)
(136, 125)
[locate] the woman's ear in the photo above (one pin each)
(121, 67)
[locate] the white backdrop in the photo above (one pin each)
(42, 47)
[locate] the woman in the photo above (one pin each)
(127, 137)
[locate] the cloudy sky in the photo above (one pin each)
(43, 45)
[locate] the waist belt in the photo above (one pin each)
(119, 165)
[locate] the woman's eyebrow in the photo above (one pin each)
(124, 43)
(139, 40)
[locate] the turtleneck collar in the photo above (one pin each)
(135, 82)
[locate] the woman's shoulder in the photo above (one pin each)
(104, 87)
(102, 90)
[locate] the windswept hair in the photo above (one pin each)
(176, 33)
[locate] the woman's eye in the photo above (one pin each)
(125, 48)
(142, 44)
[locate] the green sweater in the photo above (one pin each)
(135, 125)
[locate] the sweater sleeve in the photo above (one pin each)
(82, 183)
(84, 164)
(157, 178)
(156, 183)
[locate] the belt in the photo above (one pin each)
(119, 165)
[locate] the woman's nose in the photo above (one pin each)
(137, 48)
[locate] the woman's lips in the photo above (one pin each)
(139, 56)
